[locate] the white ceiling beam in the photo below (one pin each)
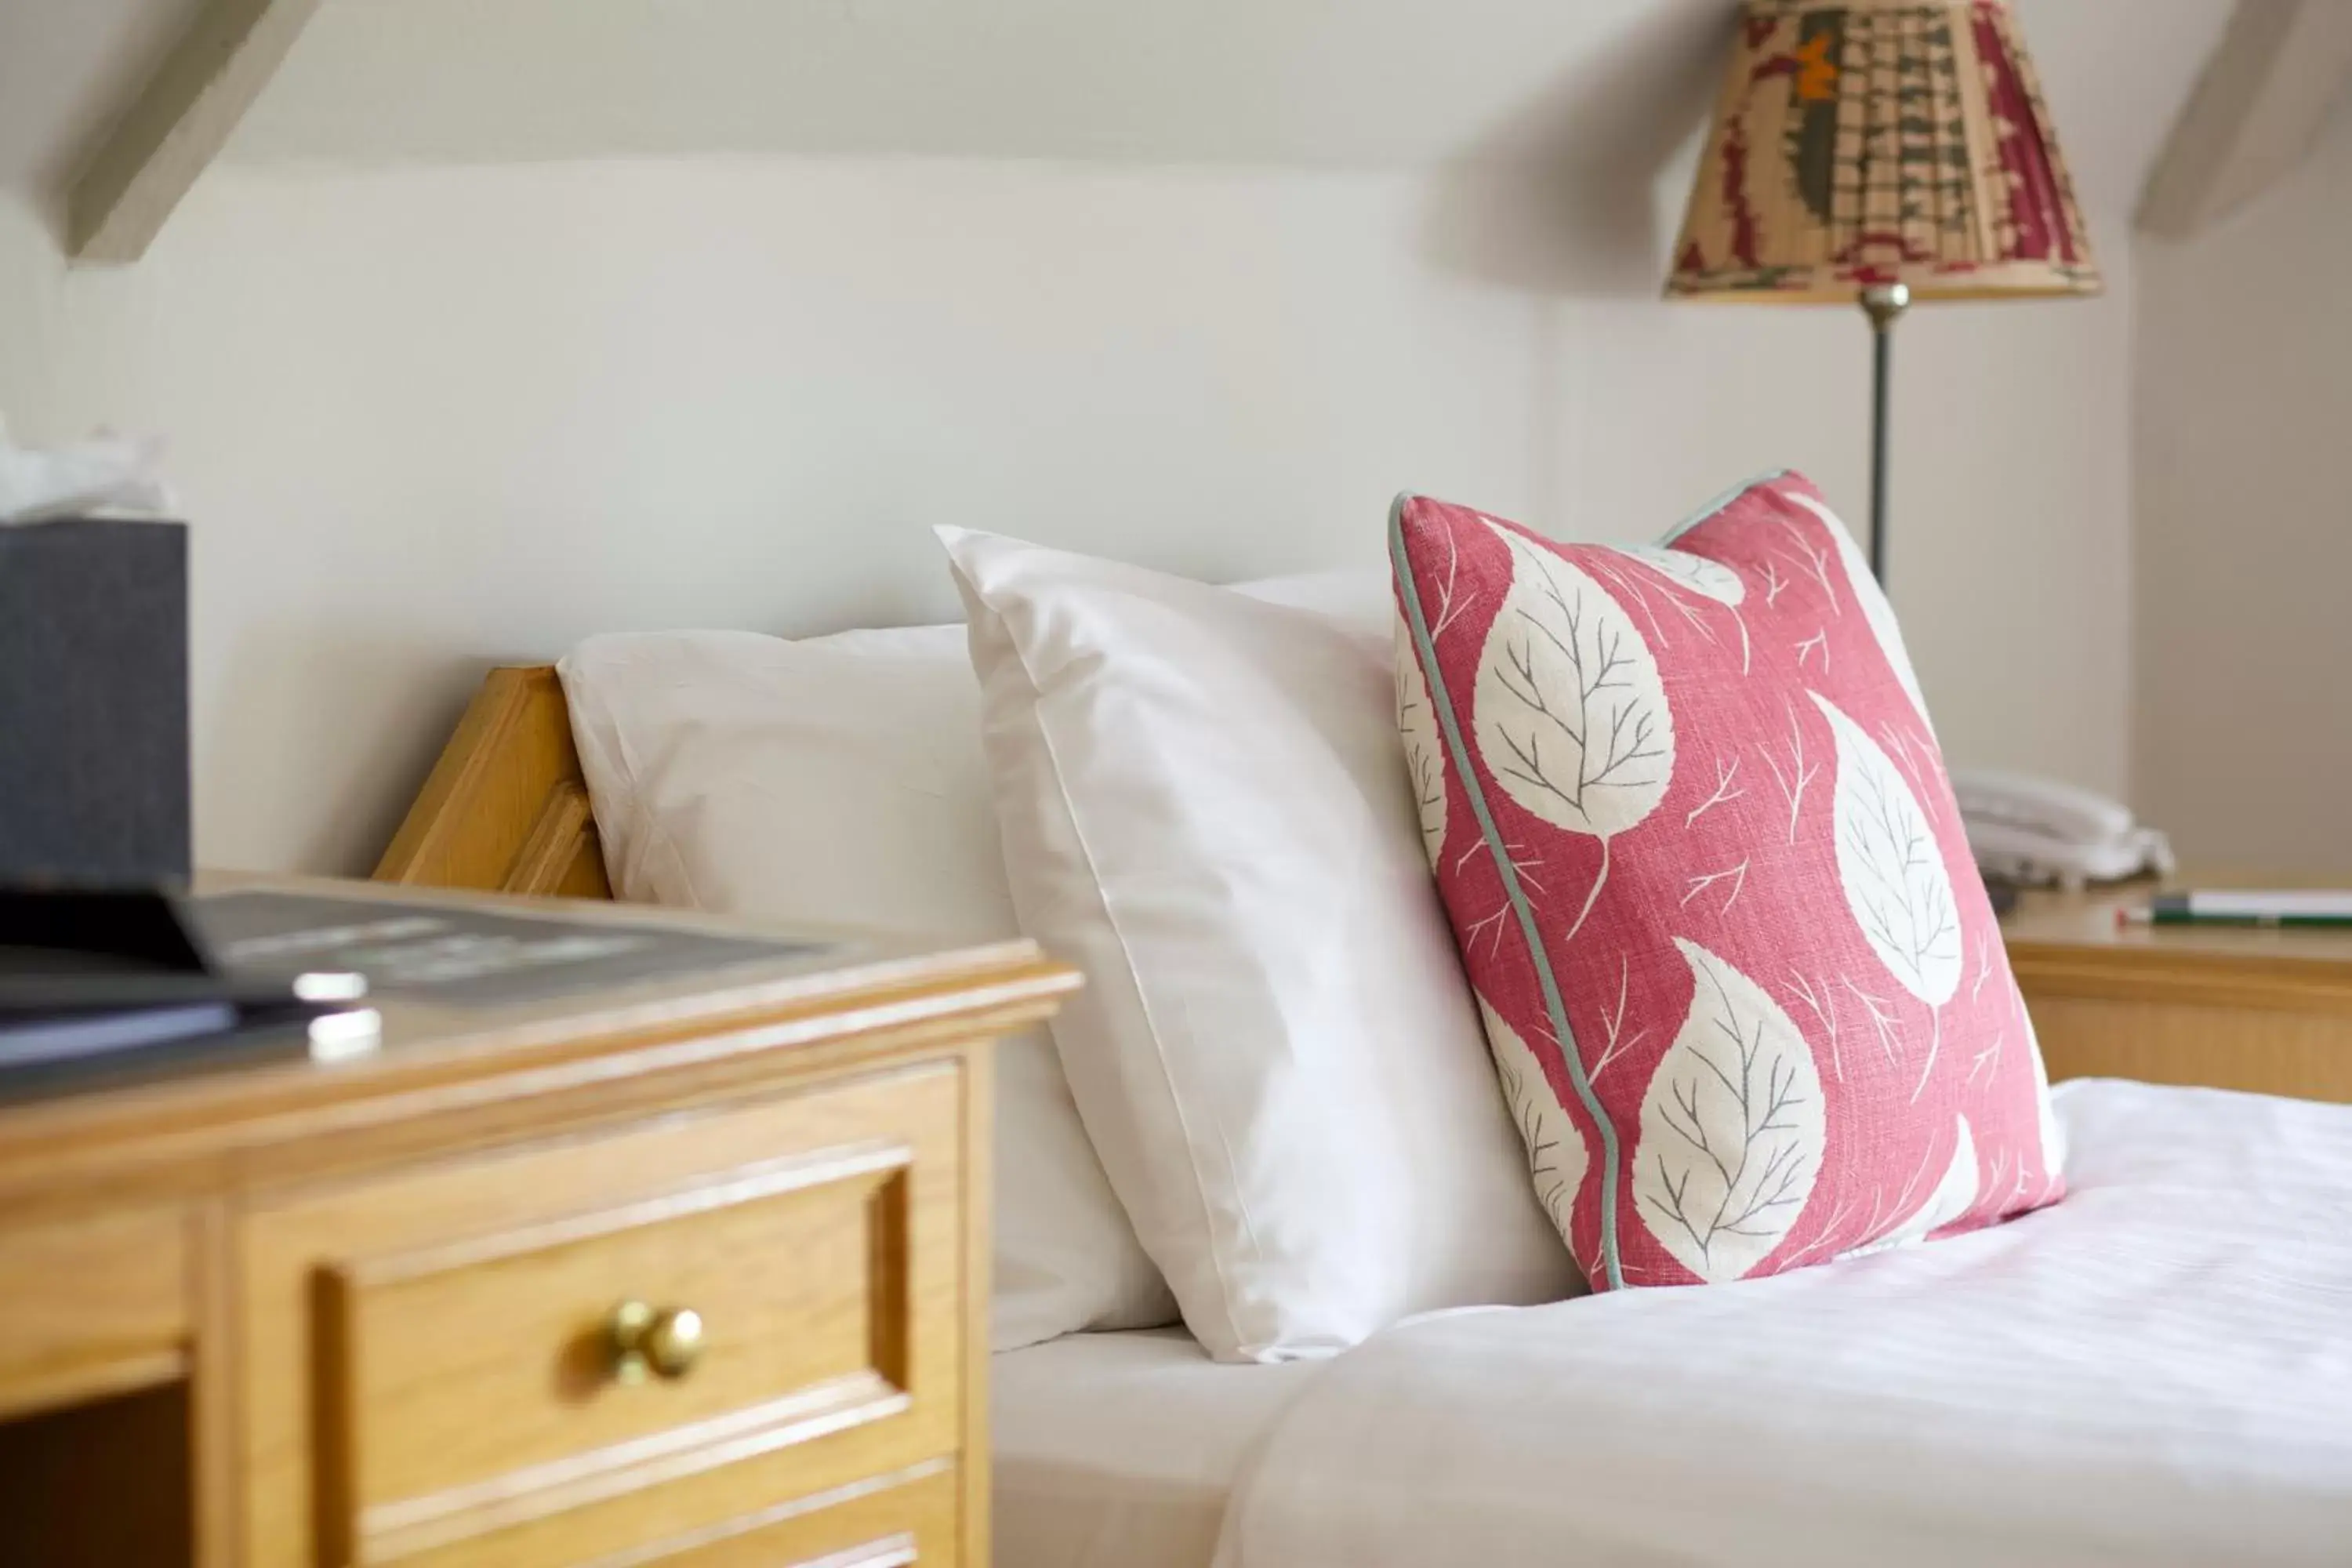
(179, 123)
(2279, 68)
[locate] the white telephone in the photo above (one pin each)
(2036, 830)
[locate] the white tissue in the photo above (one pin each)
(106, 476)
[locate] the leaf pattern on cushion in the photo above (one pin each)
(1732, 1128)
(1696, 573)
(1891, 866)
(1569, 708)
(1786, 918)
(1951, 1197)
(1876, 611)
(2051, 1135)
(1424, 746)
(1557, 1159)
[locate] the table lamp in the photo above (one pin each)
(1881, 151)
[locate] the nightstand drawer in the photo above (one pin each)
(912, 1523)
(791, 1276)
(2261, 1050)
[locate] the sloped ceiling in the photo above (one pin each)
(66, 68)
(1348, 83)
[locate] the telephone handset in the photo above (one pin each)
(2035, 830)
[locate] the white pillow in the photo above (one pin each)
(1204, 807)
(841, 780)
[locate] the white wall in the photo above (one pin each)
(427, 419)
(2244, 649)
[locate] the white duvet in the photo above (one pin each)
(2157, 1371)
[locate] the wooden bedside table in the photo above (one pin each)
(2269, 1011)
(284, 1313)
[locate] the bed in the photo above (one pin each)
(2129, 1387)
(2158, 1370)
(505, 809)
(1120, 1450)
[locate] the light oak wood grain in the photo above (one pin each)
(562, 857)
(214, 1394)
(504, 807)
(91, 1307)
(885, 1522)
(2261, 1050)
(468, 1385)
(978, 1112)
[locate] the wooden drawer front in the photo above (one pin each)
(2261, 1050)
(91, 1307)
(889, 1522)
(453, 1327)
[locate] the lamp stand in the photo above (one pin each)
(1884, 303)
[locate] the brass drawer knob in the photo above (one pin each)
(660, 1341)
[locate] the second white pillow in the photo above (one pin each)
(1275, 1056)
(839, 780)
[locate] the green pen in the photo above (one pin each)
(2296, 907)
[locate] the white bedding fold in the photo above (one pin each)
(2158, 1371)
(1117, 1450)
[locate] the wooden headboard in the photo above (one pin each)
(506, 809)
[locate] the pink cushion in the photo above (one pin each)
(1743, 991)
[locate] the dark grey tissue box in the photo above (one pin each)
(94, 703)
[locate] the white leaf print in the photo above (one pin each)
(1696, 573)
(1953, 1196)
(1709, 579)
(1556, 1160)
(1876, 611)
(1424, 747)
(1569, 708)
(1892, 866)
(1732, 1131)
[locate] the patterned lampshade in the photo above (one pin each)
(1881, 141)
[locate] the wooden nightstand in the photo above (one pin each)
(2269, 1011)
(290, 1313)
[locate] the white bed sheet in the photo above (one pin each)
(2157, 1371)
(1117, 1450)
